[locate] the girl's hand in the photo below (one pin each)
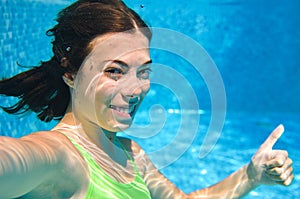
(270, 166)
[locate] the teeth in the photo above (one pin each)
(123, 110)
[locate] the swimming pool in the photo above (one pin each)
(250, 52)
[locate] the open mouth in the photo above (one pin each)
(128, 110)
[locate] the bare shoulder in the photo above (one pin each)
(45, 135)
(48, 140)
(55, 142)
(71, 175)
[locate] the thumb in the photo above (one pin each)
(272, 139)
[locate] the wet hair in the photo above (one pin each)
(42, 89)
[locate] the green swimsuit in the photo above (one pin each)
(102, 186)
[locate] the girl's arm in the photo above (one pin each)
(267, 166)
(29, 161)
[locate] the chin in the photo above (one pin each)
(118, 127)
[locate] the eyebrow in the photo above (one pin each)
(125, 65)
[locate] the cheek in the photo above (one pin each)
(101, 108)
(146, 87)
(104, 93)
(105, 90)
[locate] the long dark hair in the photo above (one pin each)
(42, 89)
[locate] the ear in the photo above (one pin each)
(69, 79)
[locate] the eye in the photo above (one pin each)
(144, 73)
(114, 73)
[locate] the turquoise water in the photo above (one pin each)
(242, 135)
(255, 46)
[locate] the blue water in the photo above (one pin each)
(255, 46)
(242, 135)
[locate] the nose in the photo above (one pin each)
(132, 88)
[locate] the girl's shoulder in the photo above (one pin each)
(68, 176)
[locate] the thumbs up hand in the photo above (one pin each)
(270, 166)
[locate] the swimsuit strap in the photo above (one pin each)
(129, 157)
(102, 186)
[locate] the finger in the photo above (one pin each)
(277, 158)
(273, 137)
(286, 178)
(289, 181)
(279, 170)
(287, 173)
(282, 177)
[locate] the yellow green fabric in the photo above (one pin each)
(102, 186)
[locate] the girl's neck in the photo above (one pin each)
(99, 136)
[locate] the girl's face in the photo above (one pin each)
(112, 81)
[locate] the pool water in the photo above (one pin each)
(242, 135)
(255, 47)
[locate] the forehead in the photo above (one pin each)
(118, 45)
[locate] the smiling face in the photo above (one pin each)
(112, 81)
